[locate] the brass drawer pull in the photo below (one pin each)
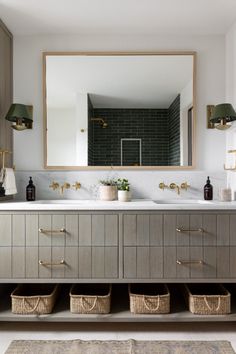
(43, 231)
(180, 229)
(61, 262)
(189, 262)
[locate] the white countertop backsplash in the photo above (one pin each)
(144, 184)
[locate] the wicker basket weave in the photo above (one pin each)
(34, 299)
(145, 303)
(208, 300)
(90, 299)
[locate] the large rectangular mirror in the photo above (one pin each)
(120, 110)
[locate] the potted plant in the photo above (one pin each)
(108, 189)
(124, 194)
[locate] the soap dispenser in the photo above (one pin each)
(30, 191)
(208, 190)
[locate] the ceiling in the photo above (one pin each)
(117, 17)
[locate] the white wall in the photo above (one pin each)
(28, 145)
(231, 98)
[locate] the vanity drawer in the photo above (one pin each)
(199, 262)
(143, 230)
(143, 262)
(199, 230)
(59, 262)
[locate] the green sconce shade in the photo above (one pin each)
(223, 111)
(22, 115)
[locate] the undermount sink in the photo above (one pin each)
(181, 201)
(62, 201)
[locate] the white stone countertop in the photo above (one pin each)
(138, 204)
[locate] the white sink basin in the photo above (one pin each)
(63, 201)
(181, 201)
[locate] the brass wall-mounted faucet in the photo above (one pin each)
(174, 186)
(65, 185)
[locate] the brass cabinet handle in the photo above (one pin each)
(180, 229)
(44, 231)
(61, 262)
(189, 262)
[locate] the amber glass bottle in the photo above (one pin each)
(208, 190)
(30, 191)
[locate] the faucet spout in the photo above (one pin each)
(175, 186)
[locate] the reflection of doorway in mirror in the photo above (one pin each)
(131, 152)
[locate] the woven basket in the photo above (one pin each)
(34, 298)
(149, 298)
(204, 299)
(90, 298)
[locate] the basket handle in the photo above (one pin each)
(211, 308)
(148, 307)
(91, 308)
(32, 309)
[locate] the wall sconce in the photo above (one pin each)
(21, 115)
(220, 115)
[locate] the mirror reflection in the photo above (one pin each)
(119, 110)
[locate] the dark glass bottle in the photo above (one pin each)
(30, 191)
(208, 190)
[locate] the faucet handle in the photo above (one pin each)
(184, 185)
(54, 185)
(162, 186)
(77, 185)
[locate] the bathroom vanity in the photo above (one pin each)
(118, 243)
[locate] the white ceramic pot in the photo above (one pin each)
(108, 192)
(124, 196)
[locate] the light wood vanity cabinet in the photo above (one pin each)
(124, 246)
(175, 246)
(117, 247)
(59, 246)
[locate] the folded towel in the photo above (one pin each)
(9, 181)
